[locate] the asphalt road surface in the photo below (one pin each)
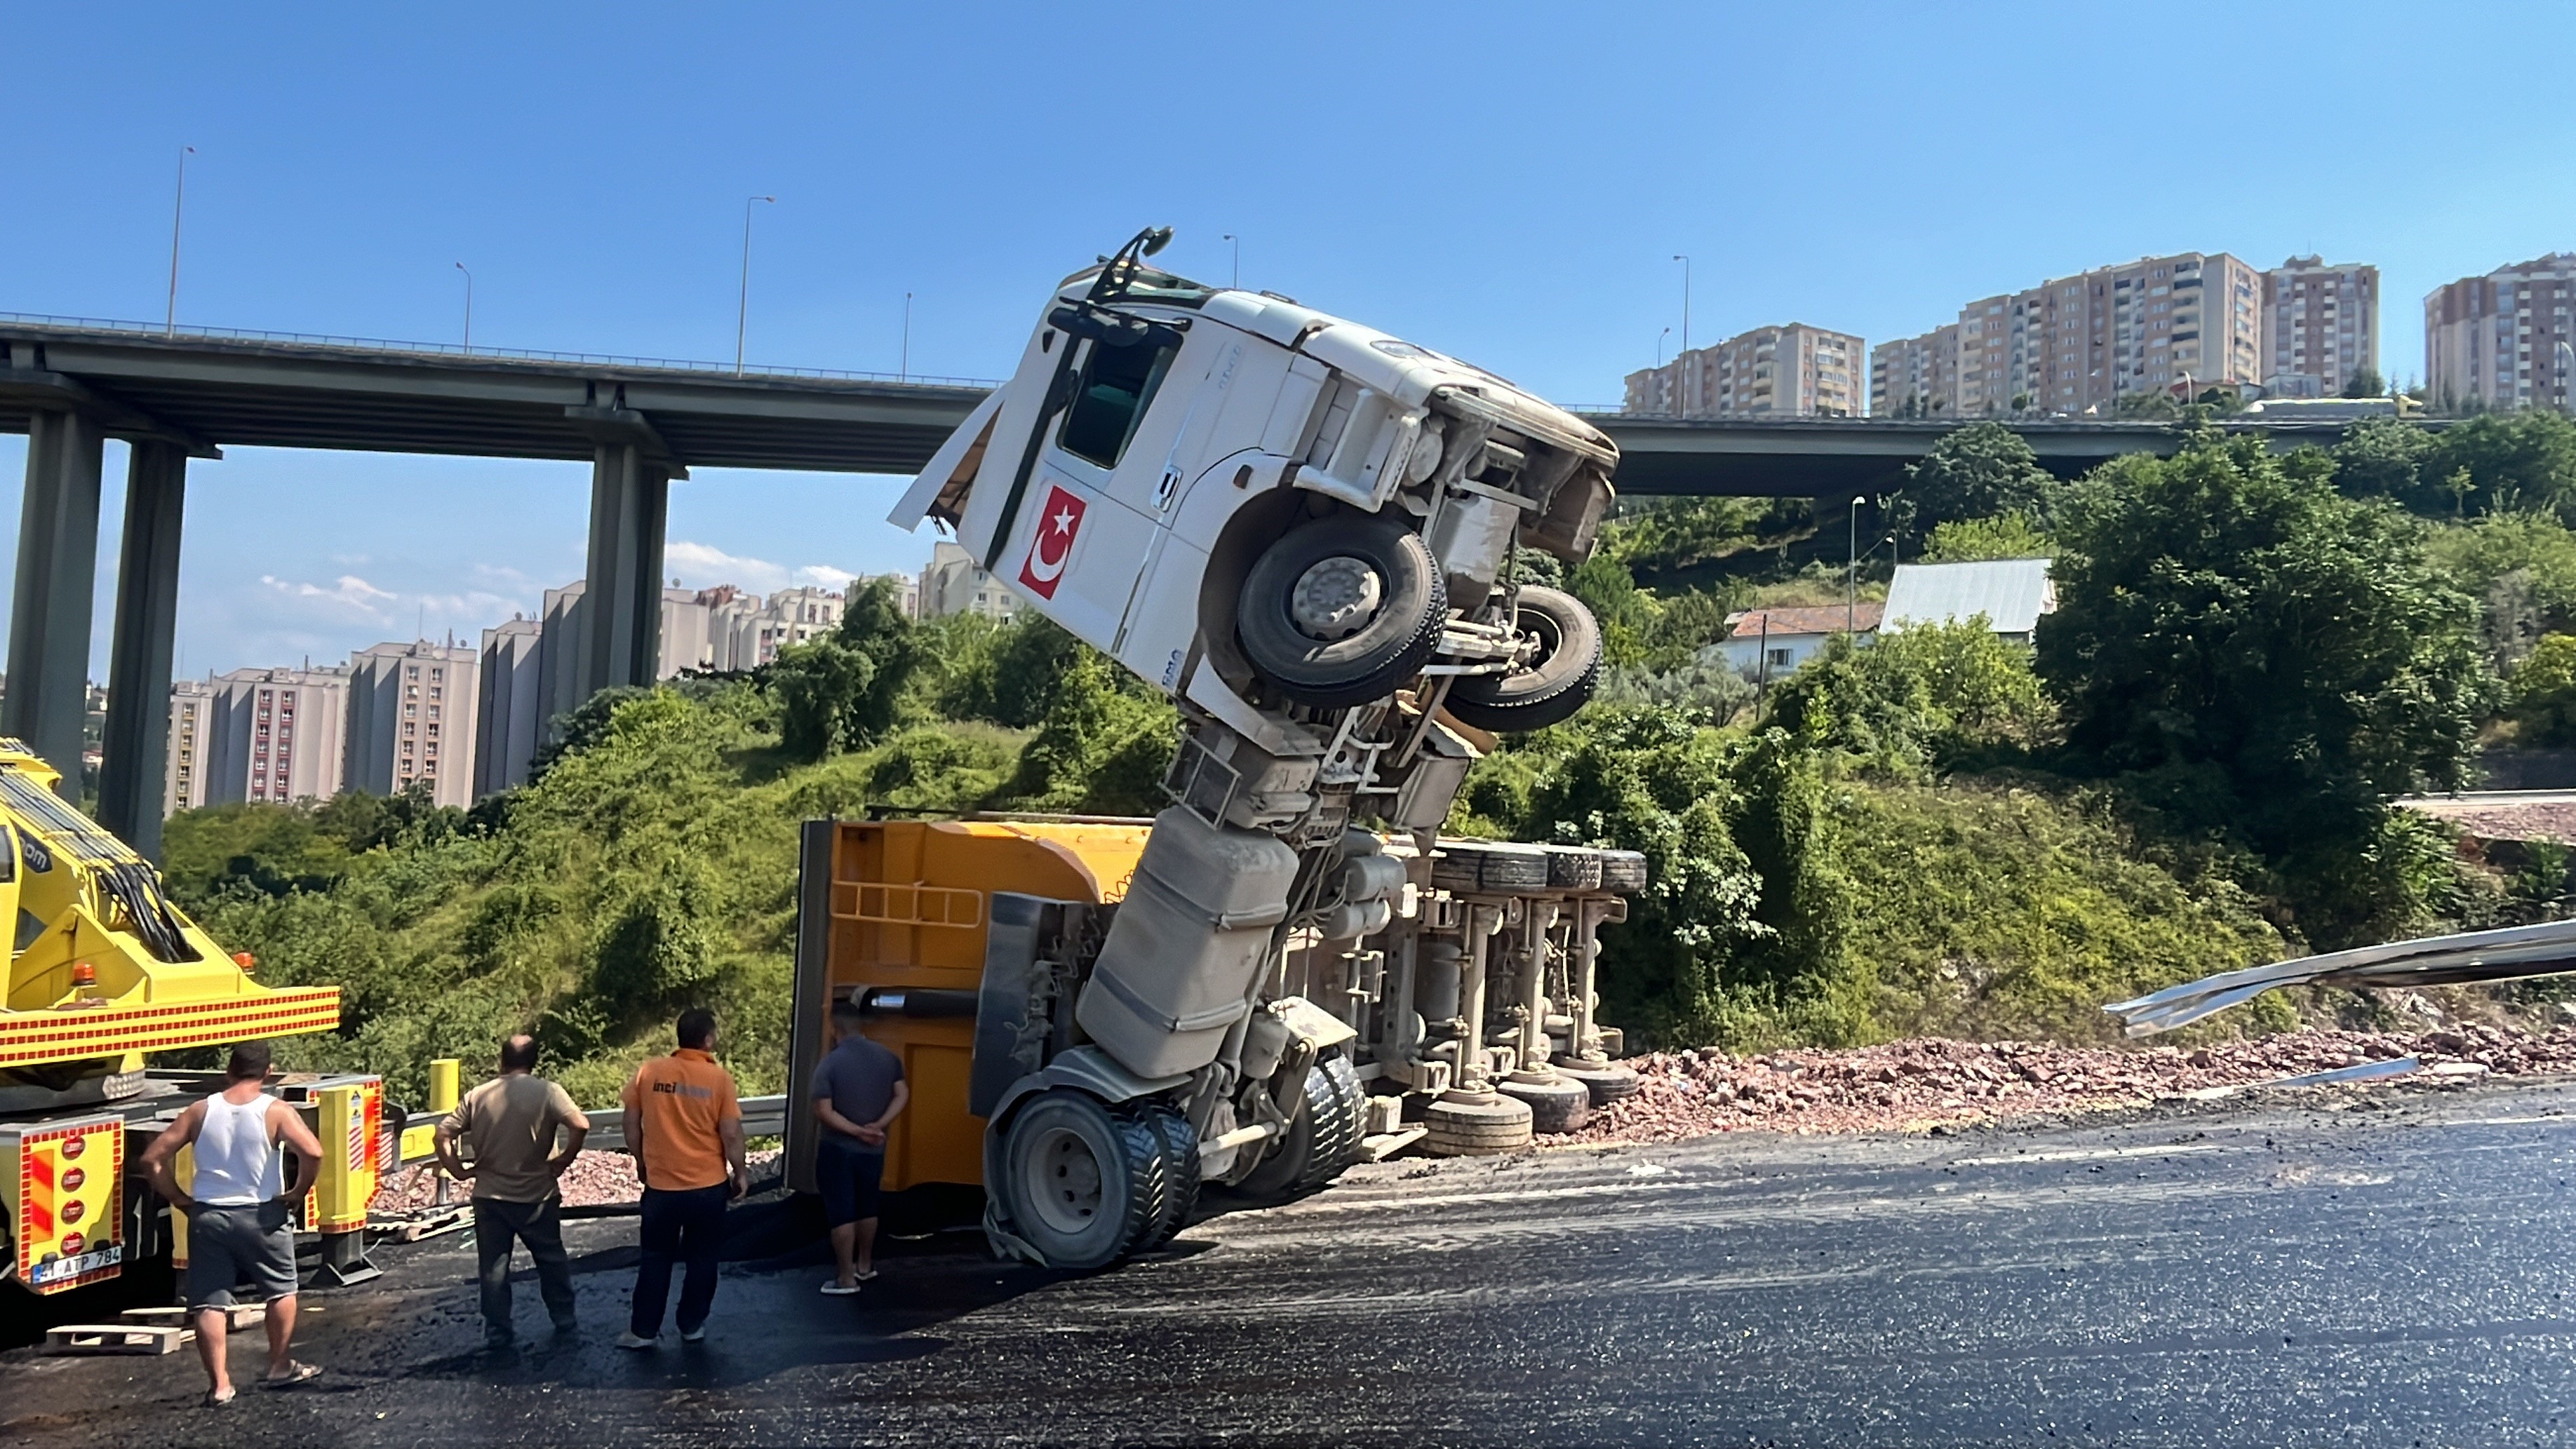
(2334, 1267)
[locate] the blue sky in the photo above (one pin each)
(1505, 182)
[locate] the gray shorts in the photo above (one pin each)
(229, 1246)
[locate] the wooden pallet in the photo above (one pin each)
(102, 1338)
(238, 1315)
(1386, 1144)
(429, 1225)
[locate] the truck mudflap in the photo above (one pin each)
(64, 1184)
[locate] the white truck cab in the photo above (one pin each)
(1161, 438)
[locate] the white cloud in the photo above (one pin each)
(348, 594)
(704, 566)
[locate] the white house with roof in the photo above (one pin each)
(2011, 592)
(1774, 642)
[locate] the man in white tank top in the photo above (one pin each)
(236, 1207)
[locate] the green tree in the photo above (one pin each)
(841, 690)
(2260, 658)
(1977, 471)
(2385, 458)
(1931, 696)
(2544, 692)
(1967, 540)
(2521, 459)
(2364, 382)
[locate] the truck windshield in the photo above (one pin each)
(1118, 384)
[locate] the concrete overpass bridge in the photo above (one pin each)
(71, 384)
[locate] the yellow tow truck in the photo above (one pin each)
(104, 969)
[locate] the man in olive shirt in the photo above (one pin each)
(509, 1125)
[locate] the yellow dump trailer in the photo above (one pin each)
(898, 916)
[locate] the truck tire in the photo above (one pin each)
(1623, 871)
(1606, 1084)
(1553, 685)
(1558, 1106)
(1476, 1129)
(1342, 610)
(1082, 1180)
(1322, 1137)
(1180, 1176)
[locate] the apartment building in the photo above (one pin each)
(412, 718)
(2503, 340)
(1915, 376)
(508, 698)
(953, 583)
(183, 766)
(2320, 326)
(272, 736)
(2078, 344)
(1787, 371)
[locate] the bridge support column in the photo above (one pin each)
(49, 610)
(621, 599)
(131, 774)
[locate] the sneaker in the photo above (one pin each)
(834, 1288)
(631, 1339)
(694, 1335)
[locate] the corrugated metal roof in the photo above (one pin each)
(2012, 593)
(1823, 619)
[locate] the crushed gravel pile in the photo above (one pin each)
(1910, 1085)
(594, 1179)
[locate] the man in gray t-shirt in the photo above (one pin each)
(858, 1090)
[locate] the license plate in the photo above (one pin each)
(73, 1267)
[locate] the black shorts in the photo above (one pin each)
(847, 1174)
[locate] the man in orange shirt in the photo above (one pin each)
(684, 1126)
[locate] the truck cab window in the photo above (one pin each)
(1118, 385)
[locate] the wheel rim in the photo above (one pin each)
(1064, 1180)
(1336, 598)
(1548, 637)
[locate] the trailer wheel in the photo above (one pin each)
(1342, 610)
(1476, 1129)
(1180, 1169)
(1607, 1084)
(1554, 684)
(1558, 1106)
(1081, 1180)
(1321, 1140)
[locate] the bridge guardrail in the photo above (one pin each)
(761, 1117)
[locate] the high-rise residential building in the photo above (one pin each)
(183, 768)
(2320, 326)
(1779, 372)
(412, 718)
(791, 616)
(273, 736)
(506, 704)
(2078, 344)
(953, 583)
(2503, 340)
(1915, 376)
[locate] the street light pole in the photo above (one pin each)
(1851, 595)
(1686, 284)
(742, 307)
(178, 209)
(1659, 345)
(903, 368)
(469, 306)
(1237, 243)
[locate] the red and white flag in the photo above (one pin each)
(1057, 525)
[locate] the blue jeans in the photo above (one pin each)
(686, 1227)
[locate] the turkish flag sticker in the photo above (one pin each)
(1054, 543)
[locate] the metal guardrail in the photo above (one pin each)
(145, 331)
(761, 1117)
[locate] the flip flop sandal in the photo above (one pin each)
(295, 1374)
(832, 1288)
(223, 1400)
(865, 1276)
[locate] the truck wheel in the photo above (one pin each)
(1558, 1106)
(1082, 1180)
(1180, 1170)
(1553, 685)
(1476, 1129)
(1607, 1084)
(1340, 611)
(1321, 1139)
